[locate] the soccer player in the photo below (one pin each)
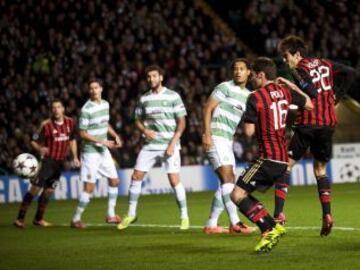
(266, 112)
(222, 115)
(52, 141)
(96, 160)
(313, 129)
(160, 116)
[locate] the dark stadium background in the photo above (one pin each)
(50, 49)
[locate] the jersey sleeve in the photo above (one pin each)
(179, 107)
(39, 135)
(84, 120)
(219, 93)
(251, 113)
(344, 79)
(304, 82)
(73, 131)
(297, 99)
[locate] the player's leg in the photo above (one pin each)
(37, 183)
(253, 178)
(88, 174)
(172, 166)
(299, 143)
(180, 193)
(52, 180)
(27, 199)
(322, 151)
(107, 169)
(217, 206)
(144, 162)
(227, 177)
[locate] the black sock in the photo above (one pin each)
(42, 205)
(281, 189)
(25, 205)
(255, 212)
(324, 190)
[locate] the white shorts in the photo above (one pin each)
(221, 154)
(146, 160)
(95, 165)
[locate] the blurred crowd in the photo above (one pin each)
(331, 28)
(49, 49)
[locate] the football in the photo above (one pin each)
(25, 165)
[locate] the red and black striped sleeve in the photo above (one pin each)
(251, 113)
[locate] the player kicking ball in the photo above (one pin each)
(222, 115)
(160, 116)
(96, 160)
(266, 113)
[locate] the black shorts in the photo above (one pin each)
(261, 175)
(319, 139)
(49, 173)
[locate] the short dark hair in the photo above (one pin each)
(154, 68)
(95, 80)
(57, 100)
(293, 44)
(242, 60)
(265, 65)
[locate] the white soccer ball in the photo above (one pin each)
(25, 165)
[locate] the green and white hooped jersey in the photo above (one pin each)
(158, 112)
(227, 115)
(94, 118)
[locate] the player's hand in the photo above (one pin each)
(109, 144)
(43, 151)
(76, 163)
(206, 142)
(150, 134)
(170, 150)
(118, 141)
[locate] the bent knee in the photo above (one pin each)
(137, 176)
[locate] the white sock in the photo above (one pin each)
(83, 202)
(134, 194)
(181, 200)
(113, 194)
(217, 206)
(231, 208)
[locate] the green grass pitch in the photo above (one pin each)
(103, 247)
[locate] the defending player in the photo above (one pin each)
(160, 116)
(52, 141)
(266, 112)
(222, 115)
(313, 129)
(96, 160)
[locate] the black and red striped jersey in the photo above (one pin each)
(56, 136)
(267, 108)
(320, 71)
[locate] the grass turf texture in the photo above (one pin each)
(104, 247)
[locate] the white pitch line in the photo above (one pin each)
(200, 226)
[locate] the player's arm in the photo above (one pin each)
(74, 148)
(38, 139)
(303, 101)
(250, 116)
(113, 134)
(210, 106)
(139, 124)
(180, 113)
(344, 79)
(304, 82)
(180, 127)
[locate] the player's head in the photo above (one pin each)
(292, 49)
(154, 76)
(264, 70)
(57, 109)
(241, 71)
(95, 88)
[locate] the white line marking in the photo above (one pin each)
(196, 227)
